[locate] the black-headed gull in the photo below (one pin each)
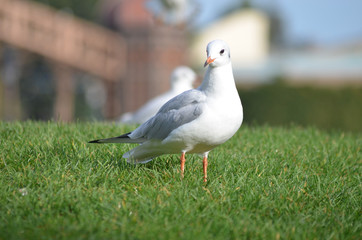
(196, 121)
(181, 80)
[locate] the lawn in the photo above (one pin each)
(264, 183)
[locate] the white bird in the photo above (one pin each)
(181, 80)
(195, 121)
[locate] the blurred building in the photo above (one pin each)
(259, 54)
(154, 50)
(68, 44)
(133, 60)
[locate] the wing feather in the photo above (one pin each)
(178, 111)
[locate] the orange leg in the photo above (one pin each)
(204, 163)
(182, 160)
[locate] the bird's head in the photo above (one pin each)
(218, 53)
(182, 77)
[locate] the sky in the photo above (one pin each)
(322, 22)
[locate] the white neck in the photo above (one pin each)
(218, 80)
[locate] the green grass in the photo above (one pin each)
(265, 183)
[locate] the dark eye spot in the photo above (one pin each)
(222, 51)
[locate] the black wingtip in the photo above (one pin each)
(111, 140)
(126, 135)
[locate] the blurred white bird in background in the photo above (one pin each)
(182, 79)
(196, 121)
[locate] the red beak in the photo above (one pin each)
(208, 61)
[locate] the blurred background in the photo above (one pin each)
(294, 61)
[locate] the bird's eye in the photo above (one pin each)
(222, 51)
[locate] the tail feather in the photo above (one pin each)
(131, 158)
(140, 154)
(144, 153)
(120, 139)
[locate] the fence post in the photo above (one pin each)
(64, 88)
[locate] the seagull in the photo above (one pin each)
(181, 80)
(196, 121)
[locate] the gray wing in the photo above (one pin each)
(178, 111)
